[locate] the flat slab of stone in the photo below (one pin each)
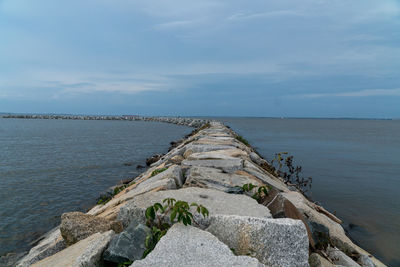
(85, 253)
(274, 242)
(263, 176)
(218, 154)
(216, 179)
(184, 246)
(215, 201)
(52, 244)
(227, 165)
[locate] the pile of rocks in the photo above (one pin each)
(208, 168)
(191, 122)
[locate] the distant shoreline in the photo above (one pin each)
(139, 117)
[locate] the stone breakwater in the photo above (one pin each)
(209, 167)
(191, 122)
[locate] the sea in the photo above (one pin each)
(355, 170)
(48, 167)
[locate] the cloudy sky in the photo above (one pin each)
(308, 58)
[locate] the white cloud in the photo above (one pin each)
(361, 93)
(278, 13)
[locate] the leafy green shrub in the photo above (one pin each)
(179, 211)
(125, 264)
(157, 171)
(258, 193)
(241, 139)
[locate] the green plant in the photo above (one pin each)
(241, 139)
(157, 171)
(178, 211)
(283, 167)
(258, 193)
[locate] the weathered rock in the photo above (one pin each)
(52, 244)
(138, 167)
(339, 258)
(128, 245)
(177, 159)
(365, 261)
(219, 154)
(263, 176)
(227, 165)
(216, 179)
(85, 253)
(189, 246)
(173, 172)
(274, 242)
(316, 260)
(280, 207)
(215, 201)
(76, 226)
(153, 159)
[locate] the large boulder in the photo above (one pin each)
(51, 244)
(217, 179)
(274, 242)
(85, 253)
(188, 246)
(339, 258)
(215, 201)
(76, 226)
(128, 245)
(227, 165)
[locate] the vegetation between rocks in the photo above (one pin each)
(157, 171)
(242, 139)
(258, 191)
(282, 165)
(179, 211)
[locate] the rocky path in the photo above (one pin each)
(209, 168)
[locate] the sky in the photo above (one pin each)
(264, 58)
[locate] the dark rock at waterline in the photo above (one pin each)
(128, 245)
(153, 159)
(138, 167)
(320, 234)
(128, 164)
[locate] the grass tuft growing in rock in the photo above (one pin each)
(241, 139)
(178, 211)
(157, 171)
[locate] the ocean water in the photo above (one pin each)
(48, 167)
(355, 166)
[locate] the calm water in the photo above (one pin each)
(48, 167)
(355, 165)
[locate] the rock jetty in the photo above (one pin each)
(191, 122)
(210, 168)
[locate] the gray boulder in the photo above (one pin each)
(51, 244)
(274, 242)
(85, 253)
(76, 226)
(216, 179)
(215, 201)
(339, 258)
(128, 245)
(188, 246)
(365, 261)
(227, 165)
